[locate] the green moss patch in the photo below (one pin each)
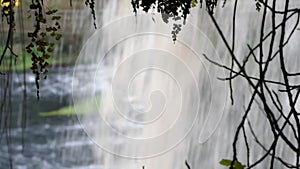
(85, 106)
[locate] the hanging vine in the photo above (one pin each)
(91, 5)
(43, 39)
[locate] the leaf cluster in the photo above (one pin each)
(43, 39)
(177, 10)
(91, 5)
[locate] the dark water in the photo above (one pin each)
(49, 142)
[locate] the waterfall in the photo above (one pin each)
(156, 103)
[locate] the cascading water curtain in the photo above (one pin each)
(11, 27)
(152, 100)
(134, 57)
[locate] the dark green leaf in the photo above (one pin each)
(225, 162)
(58, 36)
(194, 3)
(239, 165)
(51, 12)
(50, 50)
(56, 17)
(49, 29)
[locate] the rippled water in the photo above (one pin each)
(50, 142)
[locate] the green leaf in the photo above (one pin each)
(43, 20)
(49, 29)
(225, 162)
(54, 29)
(56, 17)
(50, 49)
(258, 5)
(58, 36)
(194, 3)
(238, 165)
(43, 34)
(50, 12)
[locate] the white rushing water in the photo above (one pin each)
(159, 103)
